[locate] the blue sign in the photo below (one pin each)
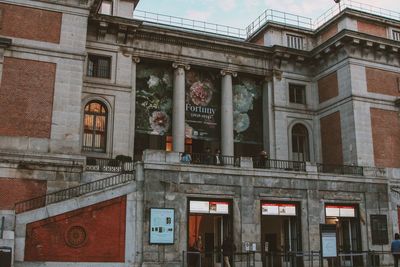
(162, 226)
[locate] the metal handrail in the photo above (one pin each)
(340, 169)
(109, 165)
(287, 165)
(210, 159)
(191, 24)
(268, 15)
(73, 192)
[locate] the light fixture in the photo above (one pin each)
(337, 1)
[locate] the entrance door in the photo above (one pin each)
(281, 235)
(208, 226)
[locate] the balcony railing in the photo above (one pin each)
(341, 169)
(108, 165)
(279, 164)
(72, 192)
(210, 159)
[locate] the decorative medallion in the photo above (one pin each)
(76, 236)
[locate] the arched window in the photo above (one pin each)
(300, 144)
(95, 127)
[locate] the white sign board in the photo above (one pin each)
(162, 226)
(340, 211)
(199, 206)
(213, 207)
(278, 209)
(329, 249)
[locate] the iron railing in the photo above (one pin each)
(190, 24)
(73, 192)
(210, 159)
(340, 169)
(202, 259)
(279, 164)
(108, 165)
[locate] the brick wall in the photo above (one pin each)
(16, 190)
(371, 28)
(26, 98)
(331, 139)
(92, 234)
(328, 87)
(329, 32)
(30, 23)
(383, 82)
(386, 137)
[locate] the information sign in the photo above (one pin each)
(162, 226)
(329, 249)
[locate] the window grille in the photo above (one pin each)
(379, 230)
(295, 42)
(99, 66)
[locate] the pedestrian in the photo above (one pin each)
(228, 249)
(186, 158)
(208, 157)
(395, 248)
(218, 160)
(263, 159)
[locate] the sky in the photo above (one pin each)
(240, 13)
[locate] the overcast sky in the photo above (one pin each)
(240, 13)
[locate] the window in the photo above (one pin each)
(95, 127)
(297, 93)
(294, 41)
(300, 151)
(106, 7)
(396, 35)
(379, 230)
(99, 66)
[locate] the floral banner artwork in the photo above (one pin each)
(247, 111)
(202, 105)
(153, 99)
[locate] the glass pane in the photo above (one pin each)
(106, 8)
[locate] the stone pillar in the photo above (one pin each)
(178, 109)
(227, 144)
(135, 61)
(269, 122)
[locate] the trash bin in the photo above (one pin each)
(5, 256)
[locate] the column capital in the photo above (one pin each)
(177, 65)
(228, 72)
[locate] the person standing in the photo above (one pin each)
(218, 160)
(228, 249)
(395, 248)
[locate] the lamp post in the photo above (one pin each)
(338, 2)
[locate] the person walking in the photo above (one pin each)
(395, 248)
(228, 249)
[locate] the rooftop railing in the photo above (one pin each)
(190, 24)
(268, 15)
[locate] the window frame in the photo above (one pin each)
(379, 236)
(103, 146)
(95, 72)
(306, 143)
(297, 86)
(396, 34)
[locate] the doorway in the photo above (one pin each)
(280, 235)
(209, 223)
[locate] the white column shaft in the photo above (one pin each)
(227, 116)
(178, 110)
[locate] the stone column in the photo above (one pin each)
(135, 61)
(227, 113)
(178, 109)
(268, 116)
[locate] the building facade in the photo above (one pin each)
(101, 102)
